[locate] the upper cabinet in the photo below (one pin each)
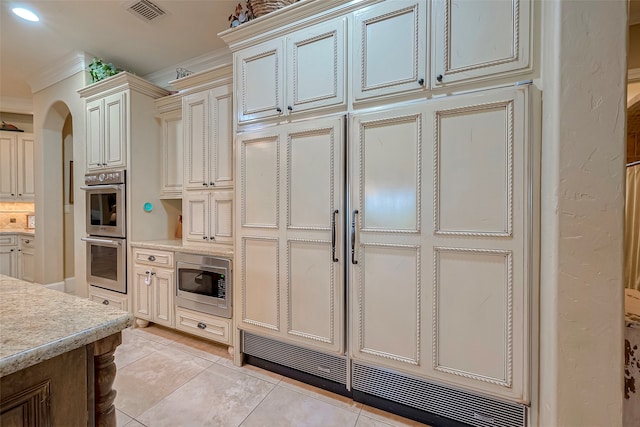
(479, 40)
(110, 106)
(16, 166)
(390, 45)
(313, 78)
(170, 117)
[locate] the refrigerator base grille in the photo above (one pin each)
(437, 399)
(313, 362)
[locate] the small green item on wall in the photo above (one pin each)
(98, 70)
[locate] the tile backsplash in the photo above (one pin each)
(14, 211)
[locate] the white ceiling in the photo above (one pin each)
(106, 29)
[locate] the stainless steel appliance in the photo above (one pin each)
(105, 223)
(204, 284)
(106, 263)
(105, 203)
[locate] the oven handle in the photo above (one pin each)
(101, 187)
(106, 241)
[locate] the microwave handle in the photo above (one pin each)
(101, 186)
(94, 240)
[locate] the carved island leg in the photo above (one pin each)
(104, 374)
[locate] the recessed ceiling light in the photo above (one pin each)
(25, 14)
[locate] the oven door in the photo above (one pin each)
(204, 288)
(105, 210)
(106, 263)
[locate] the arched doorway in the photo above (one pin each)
(54, 204)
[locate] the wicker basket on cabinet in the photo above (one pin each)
(262, 7)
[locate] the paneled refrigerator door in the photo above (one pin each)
(441, 237)
(290, 269)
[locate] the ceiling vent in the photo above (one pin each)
(146, 10)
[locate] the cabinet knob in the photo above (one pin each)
(421, 82)
(279, 110)
(19, 250)
(290, 108)
(27, 241)
(151, 258)
(19, 194)
(213, 184)
(105, 302)
(13, 194)
(202, 325)
(439, 77)
(10, 250)
(204, 237)
(204, 184)
(212, 238)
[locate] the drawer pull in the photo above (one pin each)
(105, 302)
(202, 325)
(151, 258)
(27, 241)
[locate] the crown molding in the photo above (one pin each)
(122, 81)
(66, 67)
(16, 105)
(166, 76)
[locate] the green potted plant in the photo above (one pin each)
(99, 70)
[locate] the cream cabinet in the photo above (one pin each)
(26, 258)
(170, 118)
(17, 182)
(479, 39)
(209, 216)
(112, 299)
(289, 257)
(206, 326)
(107, 132)
(440, 237)
(153, 286)
(313, 76)
(207, 200)
(390, 45)
(9, 255)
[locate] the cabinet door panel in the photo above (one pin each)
(26, 180)
(195, 217)
(163, 297)
(142, 293)
(172, 155)
(316, 58)
(222, 136)
(476, 39)
(8, 261)
(95, 134)
(116, 129)
(390, 45)
(221, 217)
(260, 284)
(196, 140)
(259, 188)
(259, 77)
(7, 166)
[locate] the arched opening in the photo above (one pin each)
(54, 200)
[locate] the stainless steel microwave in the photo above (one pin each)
(204, 284)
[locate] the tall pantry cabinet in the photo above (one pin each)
(384, 240)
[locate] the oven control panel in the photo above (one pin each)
(99, 178)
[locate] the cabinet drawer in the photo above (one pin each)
(204, 325)
(8, 240)
(27, 242)
(153, 257)
(108, 298)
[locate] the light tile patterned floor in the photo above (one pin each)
(166, 378)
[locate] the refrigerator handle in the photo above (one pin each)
(353, 237)
(333, 236)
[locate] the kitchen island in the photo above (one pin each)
(56, 357)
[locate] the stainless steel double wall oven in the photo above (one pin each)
(106, 230)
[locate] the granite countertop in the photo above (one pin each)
(37, 323)
(177, 246)
(23, 231)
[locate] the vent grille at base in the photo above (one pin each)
(435, 398)
(322, 365)
(146, 10)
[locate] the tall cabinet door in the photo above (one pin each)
(221, 138)
(290, 269)
(442, 245)
(26, 174)
(479, 39)
(116, 129)
(7, 166)
(195, 110)
(95, 133)
(390, 272)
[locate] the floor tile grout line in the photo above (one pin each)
(258, 404)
